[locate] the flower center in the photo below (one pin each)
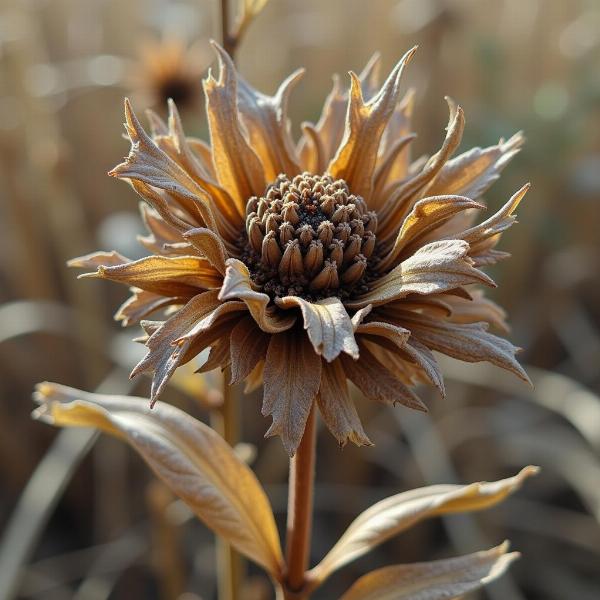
(309, 237)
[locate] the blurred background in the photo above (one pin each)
(82, 517)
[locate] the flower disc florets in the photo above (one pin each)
(309, 237)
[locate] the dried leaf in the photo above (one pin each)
(397, 513)
(437, 580)
(328, 325)
(189, 457)
(292, 377)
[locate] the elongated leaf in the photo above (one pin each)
(190, 458)
(437, 580)
(397, 513)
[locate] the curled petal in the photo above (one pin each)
(266, 121)
(148, 164)
(426, 216)
(436, 580)
(328, 325)
(142, 304)
(473, 172)
(189, 457)
(356, 157)
(292, 377)
(238, 168)
(435, 268)
(237, 284)
(98, 259)
(210, 245)
(397, 513)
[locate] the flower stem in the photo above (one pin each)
(229, 42)
(230, 566)
(300, 509)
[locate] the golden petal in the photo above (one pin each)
(210, 246)
(401, 201)
(267, 125)
(238, 168)
(473, 172)
(237, 284)
(328, 325)
(356, 158)
(436, 267)
(337, 407)
(98, 259)
(182, 276)
(426, 216)
(147, 163)
(292, 377)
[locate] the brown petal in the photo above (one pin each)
(168, 276)
(218, 357)
(267, 124)
(450, 578)
(337, 407)
(403, 198)
(473, 172)
(248, 347)
(237, 284)
(356, 157)
(398, 513)
(469, 342)
(435, 268)
(238, 168)
(328, 325)
(292, 377)
(477, 309)
(189, 457)
(148, 164)
(377, 383)
(426, 215)
(141, 304)
(161, 232)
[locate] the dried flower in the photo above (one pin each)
(302, 267)
(168, 69)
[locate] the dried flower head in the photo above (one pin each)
(168, 69)
(303, 266)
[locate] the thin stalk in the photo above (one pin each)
(300, 510)
(230, 567)
(229, 41)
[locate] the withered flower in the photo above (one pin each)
(168, 69)
(304, 266)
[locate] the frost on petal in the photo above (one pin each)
(328, 325)
(435, 268)
(436, 580)
(398, 513)
(189, 457)
(292, 377)
(237, 285)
